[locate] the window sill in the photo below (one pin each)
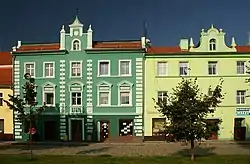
(75, 50)
(49, 77)
(75, 77)
(125, 75)
(104, 105)
(103, 75)
(129, 105)
(212, 74)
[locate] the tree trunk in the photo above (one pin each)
(192, 150)
(30, 141)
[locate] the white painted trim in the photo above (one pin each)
(71, 99)
(126, 84)
(98, 69)
(105, 84)
(70, 68)
(109, 94)
(49, 62)
(217, 68)
(69, 128)
(6, 66)
(72, 44)
(24, 68)
(54, 93)
(130, 70)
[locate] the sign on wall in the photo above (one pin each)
(242, 112)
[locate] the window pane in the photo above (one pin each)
(104, 68)
(124, 97)
(162, 96)
(162, 68)
(75, 69)
(49, 97)
(103, 98)
(183, 68)
(1, 101)
(124, 68)
(240, 67)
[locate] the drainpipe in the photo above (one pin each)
(13, 91)
(143, 97)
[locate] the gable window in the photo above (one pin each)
(184, 67)
(162, 68)
(76, 69)
(104, 68)
(241, 97)
(76, 45)
(104, 94)
(125, 68)
(125, 93)
(162, 96)
(212, 67)
(1, 99)
(49, 95)
(49, 69)
(240, 65)
(30, 68)
(212, 45)
(76, 98)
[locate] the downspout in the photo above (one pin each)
(143, 97)
(13, 91)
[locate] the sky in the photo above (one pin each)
(167, 21)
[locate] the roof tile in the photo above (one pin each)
(39, 47)
(6, 76)
(5, 58)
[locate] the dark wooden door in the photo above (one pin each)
(104, 130)
(1, 129)
(50, 131)
(76, 130)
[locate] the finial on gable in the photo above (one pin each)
(62, 30)
(212, 26)
(191, 43)
(233, 44)
(90, 28)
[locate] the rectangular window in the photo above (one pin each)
(76, 69)
(162, 96)
(241, 67)
(49, 98)
(162, 68)
(241, 97)
(124, 98)
(104, 98)
(49, 69)
(125, 68)
(30, 68)
(212, 67)
(76, 98)
(184, 67)
(104, 68)
(1, 99)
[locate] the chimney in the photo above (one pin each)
(19, 43)
(184, 44)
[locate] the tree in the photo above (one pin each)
(18, 105)
(186, 110)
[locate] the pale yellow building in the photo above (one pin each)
(209, 60)
(6, 115)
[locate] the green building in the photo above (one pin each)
(93, 90)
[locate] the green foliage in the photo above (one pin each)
(186, 110)
(17, 104)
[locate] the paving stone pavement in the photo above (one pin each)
(130, 149)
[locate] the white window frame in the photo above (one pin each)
(130, 71)
(241, 96)
(79, 61)
(211, 63)
(44, 69)
(99, 90)
(72, 97)
(24, 70)
(99, 64)
(181, 63)
(158, 67)
(212, 44)
(49, 85)
(120, 90)
(162, 95)
(1, 98)
(72, 45)
(244, 68)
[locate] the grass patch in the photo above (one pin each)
(39, 159)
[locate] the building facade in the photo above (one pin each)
(92, 89)
(6, 115)
(209, 60)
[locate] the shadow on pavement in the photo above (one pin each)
(199, 151)
(94, 151)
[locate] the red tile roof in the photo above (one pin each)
(6, 76)
(176, 49)
(5, 58)
(117, 45)
(39, 47)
